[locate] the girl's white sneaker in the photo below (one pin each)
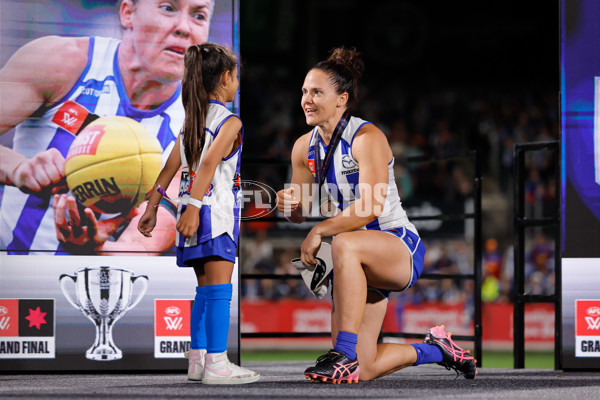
(196, 364)
(218, 370)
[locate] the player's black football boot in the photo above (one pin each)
(334, 367)
(454, 357)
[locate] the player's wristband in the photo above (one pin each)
(162, 191)
(194, 202)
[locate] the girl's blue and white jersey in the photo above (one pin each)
(221, 204)
(342, 181)
(27, 221)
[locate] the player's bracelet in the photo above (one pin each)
(194, 202)
(162, 192)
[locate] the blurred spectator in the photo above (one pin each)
(492, 264)
(256, 257)
(539, 266)
(289, 288)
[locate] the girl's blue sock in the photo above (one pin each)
(197, 323)
(427, 353)
(218, 300)
(345, 342)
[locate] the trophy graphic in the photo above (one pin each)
(103, 295)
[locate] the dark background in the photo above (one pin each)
(441, 77)
(499, 50)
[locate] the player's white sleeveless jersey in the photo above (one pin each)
(27, 221)
(342, 179)
(221, 204)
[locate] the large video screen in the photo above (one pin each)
(580, 141)
(90, 110)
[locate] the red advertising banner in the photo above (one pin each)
(285, 316)
(314, 316)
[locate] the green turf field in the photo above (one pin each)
(491, 359)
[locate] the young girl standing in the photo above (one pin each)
(209, 150)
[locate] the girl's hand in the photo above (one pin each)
(147, 221)
(310, 247)
(189, 221)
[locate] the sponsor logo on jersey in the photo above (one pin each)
(186, 182)
(70, 116)
(172, 327)
(27, 328)
(587, 328)
(311, 166)
(349, 164)
(350, 171)
(90, 91)
(209, 190)
(237, 182)
(88, 143)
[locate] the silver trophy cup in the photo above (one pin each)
(103, 295)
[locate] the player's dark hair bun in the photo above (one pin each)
(344, 67)
(349, 59)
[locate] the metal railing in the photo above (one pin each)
(520, 223)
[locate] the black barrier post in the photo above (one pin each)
(520, 222)
(477, 248)
(519, 256)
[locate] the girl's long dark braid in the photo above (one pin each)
(204, 65)
(195, 103)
